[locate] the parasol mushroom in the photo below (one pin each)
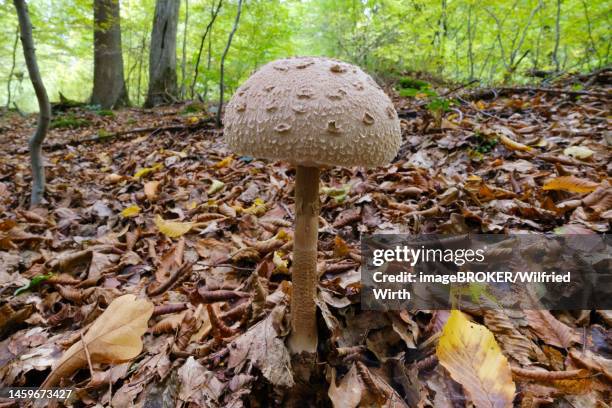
(312, 112)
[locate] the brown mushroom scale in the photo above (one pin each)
(311, 112)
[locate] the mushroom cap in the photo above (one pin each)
(315, 112)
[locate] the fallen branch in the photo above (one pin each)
(557, 91)
(135, 131)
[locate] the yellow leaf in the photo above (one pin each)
(481, 105)
(282, 235)
(225, 162)
(257, 208)
(131, 211)
(115, 337)
(513, 145)
(172, 229)
(579, 152)
(572, 184)
(144, 171)
(279, 264)
(215, 187)
(150, 190)
(473, 358)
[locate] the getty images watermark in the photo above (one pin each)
(486, 271)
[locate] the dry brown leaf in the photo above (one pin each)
(572, 184)
(362, 388)
(549, 329)
(151, 189)
(115, 337)
(514, 344)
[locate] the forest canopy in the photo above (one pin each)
(461, 40)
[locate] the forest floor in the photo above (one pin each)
(168, 214)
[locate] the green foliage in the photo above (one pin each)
(491, 41)
(193, 108)
(34, 282)
(407, 82)
(484, 144)
(69, 121)
(439, 104)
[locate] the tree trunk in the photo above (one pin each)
(227, 47)
(555, 54)
(9, 83)
(214, 12)
(184, 55)
(162, 54)
(44, 115)
(109, 85)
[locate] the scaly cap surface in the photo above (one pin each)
(313, 111)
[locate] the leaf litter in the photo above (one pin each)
(159, 266)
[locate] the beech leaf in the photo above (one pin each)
(131, 211)
(473, 358)
(514, 145)
(172, 229)
(115, 337)
(572, 184)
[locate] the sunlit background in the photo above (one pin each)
(461, 40)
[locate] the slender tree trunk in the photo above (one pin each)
(470, 38)
(162, 54)
(143, 46)
(227, 47)
(214, 12)
(44, 114)
(208, 65)
(184, 56)
(12, 71)
(555, 56)
(593, 45)
(109, 85)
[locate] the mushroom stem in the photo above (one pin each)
(304, 270)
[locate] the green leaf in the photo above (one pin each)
(34, 282)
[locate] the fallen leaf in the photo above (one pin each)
(147, 170)
(131, 211)
(198, 384)
(150, 190)
(514, 145)
(341, 248)
(572, 184)
(215, 187)
(579, 152)
(225, 162)
(115, 337)
(473, 358)
(262, 347)
(257, 208)
(172, 229)
(549, 329)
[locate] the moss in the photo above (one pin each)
(69, 122)
(106, 112)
